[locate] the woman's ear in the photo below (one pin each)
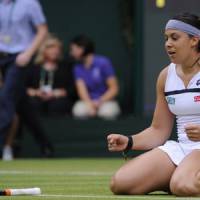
(195, 42)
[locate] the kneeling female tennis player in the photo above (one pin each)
(171, 165)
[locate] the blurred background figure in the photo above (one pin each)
(96, 82)
(50, 81)
(1, 80)
(22, 29)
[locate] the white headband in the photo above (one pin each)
(182, 26)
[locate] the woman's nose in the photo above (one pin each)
(168, 43)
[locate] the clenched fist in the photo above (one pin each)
(193, 132)
(117, 142)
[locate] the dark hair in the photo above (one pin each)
(85, 42)
(191, 19)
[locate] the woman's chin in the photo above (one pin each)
(174, 61)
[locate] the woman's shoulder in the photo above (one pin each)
(163, 77)
(164, 72)
(35, 68)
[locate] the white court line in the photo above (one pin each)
(115, 197)
(76, 173)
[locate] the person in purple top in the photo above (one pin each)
(96, 82)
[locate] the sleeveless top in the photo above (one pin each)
(183, 102)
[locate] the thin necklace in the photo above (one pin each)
(196, 61)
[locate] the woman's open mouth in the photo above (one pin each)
(171, 53)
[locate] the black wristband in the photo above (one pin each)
(129, 144)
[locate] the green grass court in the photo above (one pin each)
(73, 179)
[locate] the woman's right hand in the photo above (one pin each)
(117, 142)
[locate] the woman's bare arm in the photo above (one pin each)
(162, 123)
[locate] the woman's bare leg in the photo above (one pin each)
(146, 173)
(186, 178)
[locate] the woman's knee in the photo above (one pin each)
(120, 185)
(117, 186)
(109, 110)
(197, 180)
(80, 110)
(114, 185)
(176, 185)
(185, 185)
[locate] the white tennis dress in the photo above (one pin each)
(185, 104)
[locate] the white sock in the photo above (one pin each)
(7, 153)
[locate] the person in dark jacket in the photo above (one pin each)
(50, 83)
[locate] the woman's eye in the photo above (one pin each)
(174, 37)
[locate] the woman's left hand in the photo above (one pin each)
(193, 132)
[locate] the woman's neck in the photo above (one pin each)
(88, 60)
(192, 65)
(50, 65)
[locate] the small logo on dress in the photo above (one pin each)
(171, 100)
(198, 82)
(196, 98)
